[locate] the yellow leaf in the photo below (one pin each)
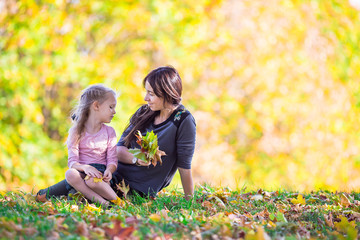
(259, 235)
(271, 224)
(118, 201)
(147, 204)
(92, 208)
(299, 200)
(97, 180)
(347, 227)
(155, 217)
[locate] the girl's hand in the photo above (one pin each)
(92, 172)
(107, 175)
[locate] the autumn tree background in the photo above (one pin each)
(274, 85)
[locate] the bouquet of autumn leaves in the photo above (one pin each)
(149, 151)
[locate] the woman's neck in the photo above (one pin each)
(165, 114)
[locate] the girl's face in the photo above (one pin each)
(107, 109)
(154, 102)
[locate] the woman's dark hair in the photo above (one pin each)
(166, 83)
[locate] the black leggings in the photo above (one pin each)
(56, 190)
(59, 189)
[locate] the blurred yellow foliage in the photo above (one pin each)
(274, 85)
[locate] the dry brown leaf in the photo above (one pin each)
(207, 204)
(122, 187)
(8, 235)
(29, 231)
(344, 201)
(98, 231)
(54, 235)
(119, 232)
(82, 229)
(41, 198)
(329, 220)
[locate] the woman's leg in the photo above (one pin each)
(102, 188)
(76, 181)
(56, 190)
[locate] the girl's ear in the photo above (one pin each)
(95, 105)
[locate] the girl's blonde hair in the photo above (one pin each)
(80, 113)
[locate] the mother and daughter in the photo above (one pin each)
(94, 153)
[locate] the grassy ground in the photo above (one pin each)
(213, 213)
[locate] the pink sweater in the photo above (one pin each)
(93, 148)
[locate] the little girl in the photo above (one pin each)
(92, 145)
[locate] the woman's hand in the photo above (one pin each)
(91, 171)
(142, 163)
(107, 175)
(125, 157)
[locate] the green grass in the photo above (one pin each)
(212, 213)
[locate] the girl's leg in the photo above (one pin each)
(56, 190)
(76, 181)
(102, 188)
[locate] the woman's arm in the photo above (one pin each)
(185, 143)
(124, 156)
(187, 182)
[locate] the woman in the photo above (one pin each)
(176, 131)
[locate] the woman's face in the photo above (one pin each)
(154, 102)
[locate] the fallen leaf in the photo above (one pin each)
(92, 208)
(29, 231)
(259, 235)
(119, 232)
(74, 208)
(147, 204)
(41, 198)
(257, 197)
(155, 217)
(131, 220)
(82, 229)
(299, 200)
(95, 179)
(118, 202)
(164, 214)
(329, 220)
(346, 227)
(122, 187)
(344, 201)
(207, 204)
(53, 235)
(99, 232)
(8, 235)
